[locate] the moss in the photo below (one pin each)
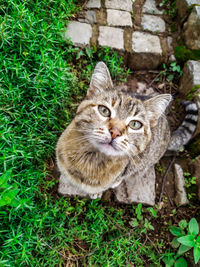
(194, 91)
(182, 54)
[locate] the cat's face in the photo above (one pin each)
(116, 124)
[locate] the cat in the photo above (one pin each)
(115, 136)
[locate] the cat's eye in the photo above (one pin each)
(135, 125)
(104, 111)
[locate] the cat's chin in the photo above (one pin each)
(109, 150)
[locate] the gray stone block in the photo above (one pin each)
(191, 30)
(90, 16)
(191, 77)
(112, 37)
(118, 18)
(147, 51)
(140, 189)
(181, 196)
(153, 23)
(184, 6)
(150, 8)
(126, 5)
(93, 4)
(79, 33)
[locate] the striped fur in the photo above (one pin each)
(185, 131)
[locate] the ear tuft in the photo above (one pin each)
(156, 106)
(100, 80)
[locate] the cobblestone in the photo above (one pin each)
(118, 18)
(94, 4)
(150, 8)
(153, 23)
(126, 5)
(112, 37)
(79, 33)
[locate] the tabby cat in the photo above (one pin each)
(114, 136)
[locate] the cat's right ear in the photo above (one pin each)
(100, 81)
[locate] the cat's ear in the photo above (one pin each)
(100, 80)
(156, 106)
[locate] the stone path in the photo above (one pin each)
(135, 28)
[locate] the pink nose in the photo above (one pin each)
(115, 132)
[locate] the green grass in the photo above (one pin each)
(42, 80)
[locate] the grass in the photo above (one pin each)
(42, 80)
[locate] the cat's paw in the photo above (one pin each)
(116, 184)
(95, 196)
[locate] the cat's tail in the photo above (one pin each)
(186, 130)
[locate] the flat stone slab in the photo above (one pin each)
(79, 33)
(119, 18)
(93, 4)
(112, 37)
(150, 8)
(146, 43)
(191, 77)
(191, 30)
(153, 23)
(126, 5)
(140, 189)
(147, 51)
(181, 196)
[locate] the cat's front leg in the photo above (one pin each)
(95, 196)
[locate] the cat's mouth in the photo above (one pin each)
(109, 145)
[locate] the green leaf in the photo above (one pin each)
(183, 224)
(187, 240)
(193, 227)
(169, 261)
(198, 239)
(183, 249)
(196, 253)
(175, 243)
(181, 262)
(134, 222)
(4, 177)
(176, 231)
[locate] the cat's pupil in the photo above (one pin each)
(104, 111)
(135, 125)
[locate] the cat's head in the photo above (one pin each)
(114, 123)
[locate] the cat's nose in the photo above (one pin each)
(115, 132)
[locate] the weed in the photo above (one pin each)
(186, 238)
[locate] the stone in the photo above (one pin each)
(150, 8)
(67, 189)
(191, 29)
(181, 196)
(90, 16)
(93, 4)
(119, 18)
(112, 37)
(126, 5)
(147, 51)
(191, 77)
(140, 189)
(79, 33)
(153, 23)
(183, 7)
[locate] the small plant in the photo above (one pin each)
(186, 237)
(8, 192)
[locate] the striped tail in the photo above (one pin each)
(185, 131)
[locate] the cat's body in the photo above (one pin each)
(113, 137)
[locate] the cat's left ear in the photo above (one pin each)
(156, 106)
(100, 80)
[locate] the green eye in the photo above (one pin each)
(135, 125)
(104, 111)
